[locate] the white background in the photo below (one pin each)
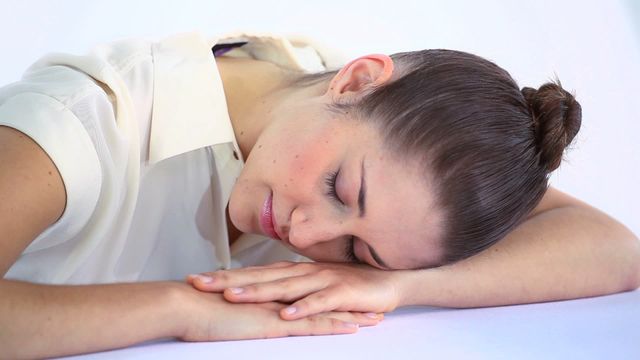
(593, 47)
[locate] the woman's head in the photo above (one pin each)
(454, 155)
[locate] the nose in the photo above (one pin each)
(309, 229)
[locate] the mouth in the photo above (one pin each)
(267, 218)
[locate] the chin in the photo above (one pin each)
(235, 216)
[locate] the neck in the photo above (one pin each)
(253, 88)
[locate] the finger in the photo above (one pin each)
(219, 280)
(362, 319)
(320, 325)
(191, 278)
(316, 303)
(274, 265)
(201, 282)
(287, 290)
(273, 306)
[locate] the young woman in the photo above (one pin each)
(415, 178)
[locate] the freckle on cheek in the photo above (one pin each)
(274, 161)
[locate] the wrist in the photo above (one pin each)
(418, 287)
(175, 299)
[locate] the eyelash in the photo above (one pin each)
(349, 252)
(330, 180)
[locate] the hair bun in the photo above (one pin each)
(557, 117)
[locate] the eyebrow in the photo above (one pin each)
(362, 195)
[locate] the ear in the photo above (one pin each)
(361, 75)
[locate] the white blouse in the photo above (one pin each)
(140, 133)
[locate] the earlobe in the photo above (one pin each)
(362, 74)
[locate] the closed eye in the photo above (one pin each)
(349, 251)
(332, 192)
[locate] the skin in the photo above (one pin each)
(292, 144)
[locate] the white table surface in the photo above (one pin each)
(605, 327)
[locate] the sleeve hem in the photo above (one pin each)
(64, 139)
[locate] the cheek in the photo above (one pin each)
(307, 165)
(288, 160)
(302, 168)
(314, 157)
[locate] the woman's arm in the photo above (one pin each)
(39, 321)
(566, 249)
(44, 320)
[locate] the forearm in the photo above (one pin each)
(45, 320)
(564, 253)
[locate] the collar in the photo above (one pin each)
(189, 106)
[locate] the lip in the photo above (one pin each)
(267, 218)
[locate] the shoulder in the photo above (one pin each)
(553, 199)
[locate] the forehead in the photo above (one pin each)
(402, 220)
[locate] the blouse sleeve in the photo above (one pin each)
(60, 109)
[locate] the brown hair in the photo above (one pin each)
(488, 146)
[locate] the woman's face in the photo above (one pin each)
(381, 202)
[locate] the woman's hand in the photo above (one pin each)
(209, 317)
(312, 287)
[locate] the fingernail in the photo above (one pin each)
(351, 325)
(372, 315)
(205, 279)
(237, 290)
(290, 310)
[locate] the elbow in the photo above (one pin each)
(626, 248)
(634, 281)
